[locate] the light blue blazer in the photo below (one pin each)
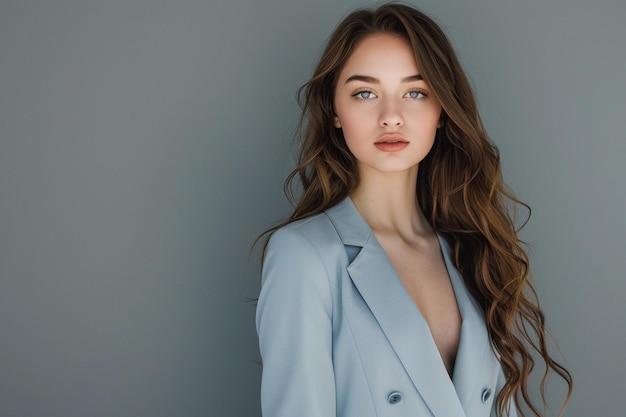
(339, 335)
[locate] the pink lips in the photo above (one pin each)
(391, 142)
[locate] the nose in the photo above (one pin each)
(390, 115)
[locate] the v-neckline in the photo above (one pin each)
(456, 293)
(369, 270)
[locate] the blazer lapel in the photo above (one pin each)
(475, 357)
(399, 318)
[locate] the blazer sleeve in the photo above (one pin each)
(294, 325)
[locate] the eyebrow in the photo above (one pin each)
(373, 80)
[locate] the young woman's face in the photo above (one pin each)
(387, 113)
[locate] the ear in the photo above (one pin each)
(336, 122)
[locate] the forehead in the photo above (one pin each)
(381, 53)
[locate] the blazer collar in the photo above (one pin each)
(350, 226)
(405, 327)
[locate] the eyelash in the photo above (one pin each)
(357, 95)
(418, 91)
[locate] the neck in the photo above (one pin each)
(388, 202)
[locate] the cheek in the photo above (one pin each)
(428, 120)
(353, 129)
(355, 120)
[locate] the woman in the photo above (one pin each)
(398, 287)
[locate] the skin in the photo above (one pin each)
(389, 119)
(379, 93)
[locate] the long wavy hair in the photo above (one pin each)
(459, 189)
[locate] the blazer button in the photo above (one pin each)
(395, 397)
(485, 395)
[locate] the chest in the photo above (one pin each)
(423, 273)
(382, 344)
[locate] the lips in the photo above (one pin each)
(391, 142)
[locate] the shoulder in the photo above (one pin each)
(305, 250)
(296, 270)
(315, 233)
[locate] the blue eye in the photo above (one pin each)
(416, 94)
(364, 95)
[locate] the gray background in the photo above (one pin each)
(143, 145)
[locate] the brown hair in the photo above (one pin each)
(459, 188)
